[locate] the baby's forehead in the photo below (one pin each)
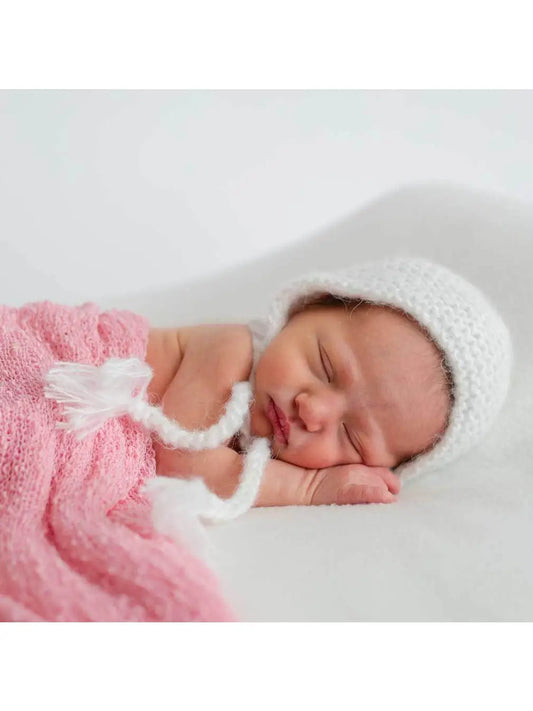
(383, 322)
(330, 308)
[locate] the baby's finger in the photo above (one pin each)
(378, 495)
(392, 480)
(357, 494)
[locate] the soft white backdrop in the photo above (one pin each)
(110, 193)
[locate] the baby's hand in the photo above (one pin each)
(353, 484)
(285, 484)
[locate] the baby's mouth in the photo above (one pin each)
(279, 423)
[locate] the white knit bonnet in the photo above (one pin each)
(458, 317)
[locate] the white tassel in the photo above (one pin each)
(93, 394)
(175, 511)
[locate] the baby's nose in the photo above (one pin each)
(317, 411)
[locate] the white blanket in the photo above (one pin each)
(456, 547)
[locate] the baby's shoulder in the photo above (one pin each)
(163, 356)
(234, 336)
(217, 355)
(226, 348)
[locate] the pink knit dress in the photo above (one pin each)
(76, 538)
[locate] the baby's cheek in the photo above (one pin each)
(311, 456)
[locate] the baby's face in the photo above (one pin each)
(352, 387)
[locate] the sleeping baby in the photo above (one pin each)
(359, 379)
(116, 437)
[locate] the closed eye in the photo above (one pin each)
(323, 357)
(351, 441)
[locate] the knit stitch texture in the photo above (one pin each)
(76, 538)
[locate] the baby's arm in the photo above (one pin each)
(195, 369)
(285, 484)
